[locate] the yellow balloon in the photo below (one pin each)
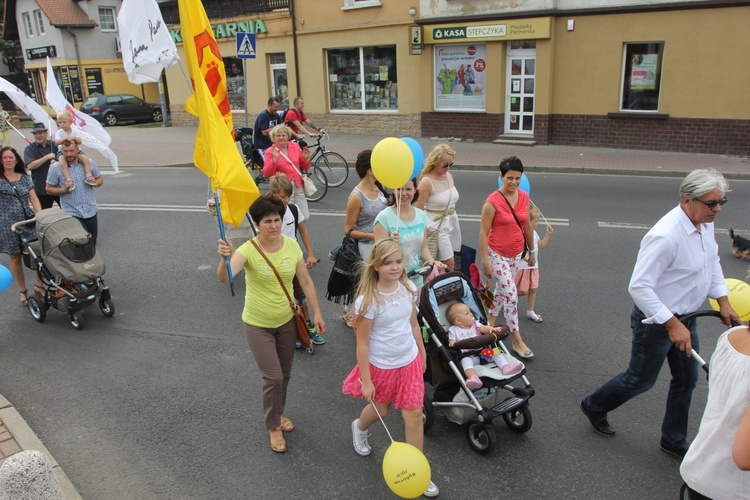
(392, 162)
(739, 298)
(406, 470)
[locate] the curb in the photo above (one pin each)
(27, 440)
(537, 169)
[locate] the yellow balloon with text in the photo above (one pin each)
(392, 162)
(739, 298)
(406, 470)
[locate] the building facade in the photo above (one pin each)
(659, 74)
(81, 39)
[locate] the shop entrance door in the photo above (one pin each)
(520, 87)
(279, 85)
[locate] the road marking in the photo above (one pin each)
(623, 225)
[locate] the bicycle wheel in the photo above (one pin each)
(334, 166)
(320, 181)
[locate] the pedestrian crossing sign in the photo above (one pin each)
(245, 45)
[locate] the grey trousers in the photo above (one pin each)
(273, 350)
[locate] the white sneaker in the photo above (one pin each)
(359, 438)
(432, 491)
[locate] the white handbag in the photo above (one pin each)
(308, 186)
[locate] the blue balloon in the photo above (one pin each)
(524, 184)
(6, 278)
(418, 152)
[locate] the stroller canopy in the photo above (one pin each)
(67, 249)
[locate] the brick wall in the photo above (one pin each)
(687, 135)
(393, 125)
(477, 126)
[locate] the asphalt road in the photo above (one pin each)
(163, 400)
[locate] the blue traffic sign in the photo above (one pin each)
(245, 45)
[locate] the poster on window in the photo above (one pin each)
(643, 72)
(460, 74)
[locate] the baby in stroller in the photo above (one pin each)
(465, 326)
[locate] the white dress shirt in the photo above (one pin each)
(677, 268)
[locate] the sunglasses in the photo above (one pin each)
(713, 204)
(446, 165)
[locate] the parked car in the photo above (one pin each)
(111, 109)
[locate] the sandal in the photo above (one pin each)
(347, 317)
(39, 291)
(286, 424)
(278, 445)
(25, 299)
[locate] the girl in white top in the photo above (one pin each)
(391, 358)
(527, 276)
(438, 198)
(717, 464)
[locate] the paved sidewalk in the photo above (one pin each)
(16, 436)
(154, 146)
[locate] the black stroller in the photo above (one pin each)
(253, 158)
(452, 397)
(68, 264)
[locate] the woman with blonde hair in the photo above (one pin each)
(286, 157)
(438, 197)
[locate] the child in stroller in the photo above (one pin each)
(68, 264)
(464, 326)
(459, 403)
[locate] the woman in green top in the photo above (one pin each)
(269, 321)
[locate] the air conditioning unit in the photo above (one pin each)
(118, 47)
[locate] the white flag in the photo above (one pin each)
(27, 105)
(93, 134)
(147, 46)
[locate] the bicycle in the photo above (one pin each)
(332, 164)
(254, 163)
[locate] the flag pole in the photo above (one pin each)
(14, 128)
(224, 238)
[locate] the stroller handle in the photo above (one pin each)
(16, 227)
(699, 314)
(422, 271)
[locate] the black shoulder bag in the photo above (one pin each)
(525, 246)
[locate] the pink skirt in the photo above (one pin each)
(404, 387)
(527, 279)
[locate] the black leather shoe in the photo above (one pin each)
(678, 451)
(600, 424)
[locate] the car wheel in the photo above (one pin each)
(156, 115)
(110, 119)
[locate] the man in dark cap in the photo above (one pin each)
(38, 156)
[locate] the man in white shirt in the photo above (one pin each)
(677, 268)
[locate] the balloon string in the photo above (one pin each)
(398, 209)
(540, 213)
(381, 418)
(381, 421)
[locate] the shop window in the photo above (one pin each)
(107, 19)
(27, 29)
(363, 79)
(279, 82)
(360, 4)
(235, 83)
(641, 76)
(39, 21)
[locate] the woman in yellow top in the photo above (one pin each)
(269, 321)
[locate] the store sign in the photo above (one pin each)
(41, 52)
(229, 30)
(517, 29)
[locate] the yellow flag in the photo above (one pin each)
(216, 153)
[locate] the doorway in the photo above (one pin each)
(520, 87)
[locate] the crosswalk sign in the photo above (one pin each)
(245, 45)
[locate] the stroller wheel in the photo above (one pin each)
(428, 414)
(107, 307)
(76, 320)
(481, 437)
(518, 420)
(37, 309)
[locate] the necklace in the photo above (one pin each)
(264, 248)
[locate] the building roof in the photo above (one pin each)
(65, 14)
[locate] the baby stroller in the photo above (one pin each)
(68, 264)
(253, 158)
(452, 397)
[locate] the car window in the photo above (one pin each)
(131, 99)
(91, 101)
(114, 99)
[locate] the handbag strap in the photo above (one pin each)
(275, 272)
(301, 175)
(511, 211)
